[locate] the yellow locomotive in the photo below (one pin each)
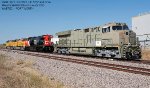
(17, 44)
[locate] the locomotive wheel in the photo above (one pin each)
(46, 49)
(128, 55)
(59, 51)
(51, 49)
(37, 49)
(112, 56)
(11, 48)
(26, 49)
(22, 48)
(103, 55)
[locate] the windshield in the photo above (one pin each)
(125, 27)
(105, 29)
(117, 27)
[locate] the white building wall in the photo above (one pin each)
(141, 25)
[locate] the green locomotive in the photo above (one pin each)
(113, 40)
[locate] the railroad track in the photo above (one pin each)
(114, 59)
(129, 69)
(93, 57)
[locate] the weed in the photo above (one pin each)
(23, 76)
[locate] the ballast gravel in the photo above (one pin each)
(98, 59)
(82, 76)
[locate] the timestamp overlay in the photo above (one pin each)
(22, 4)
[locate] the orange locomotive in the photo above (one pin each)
(38, 43)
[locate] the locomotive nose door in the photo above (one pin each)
(47, 40)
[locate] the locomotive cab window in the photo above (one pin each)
(98, 29)
(125, 27)
(86, 30)
(105, 29)
(117, 27)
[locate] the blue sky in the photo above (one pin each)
(61, 15)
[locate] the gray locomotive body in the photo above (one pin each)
(113, 40)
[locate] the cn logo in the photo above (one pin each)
(46, 42)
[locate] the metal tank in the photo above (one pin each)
(113, 40)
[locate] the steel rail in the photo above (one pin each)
(129, 69)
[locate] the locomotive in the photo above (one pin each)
(38, 43)
(113, 40)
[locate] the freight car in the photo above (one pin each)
(38, 43)
(113, 40)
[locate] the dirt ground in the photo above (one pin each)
(146, 54)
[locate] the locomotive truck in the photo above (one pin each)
(113, 40)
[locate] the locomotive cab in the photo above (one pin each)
(128, 42)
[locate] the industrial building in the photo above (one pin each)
(141, 25)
